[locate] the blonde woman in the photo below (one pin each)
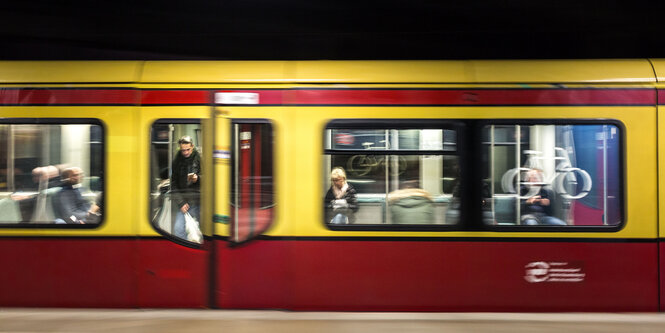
(341, 201)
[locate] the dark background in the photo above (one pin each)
(300, 29)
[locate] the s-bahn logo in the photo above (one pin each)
(541, 271)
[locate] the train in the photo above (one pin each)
(469, 185)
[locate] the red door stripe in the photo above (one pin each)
(661, 96)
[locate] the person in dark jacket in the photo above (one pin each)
(341, 201)
(537, 208)
(186, 184)
(68, 204)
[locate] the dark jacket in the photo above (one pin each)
(351, 197)
(183, 192)
(537, 208)
(69, 201)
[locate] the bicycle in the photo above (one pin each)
(563, 171)
(361, 165)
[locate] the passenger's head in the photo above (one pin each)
(186, 146)
(534, 176)
(338, 177)
(72, 176)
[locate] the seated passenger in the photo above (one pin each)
(43, 178)
(68, 204)
(341, 200)
(411, 205)
(33, 203)
(537, 209)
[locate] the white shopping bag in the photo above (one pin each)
(193, 230)
(163, 217)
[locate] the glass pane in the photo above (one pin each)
(565, 175)
(391, 189)
(176, 177)
(252, 193)
(51, 173)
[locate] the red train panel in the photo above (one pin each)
(329, 96)
(439, 276)
(254, 275)
(171, 275)
(661, 248)
(68, 272)
(102, 272)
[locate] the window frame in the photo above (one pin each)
(565, 122)
(65, 121)
(469, 148)
(401, 124)
(169, 236)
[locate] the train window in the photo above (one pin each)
(252, 194)
(51, 172)
(391, 176)
(553, 175)
(175, 171)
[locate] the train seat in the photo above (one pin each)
(45, 212)
(504, 209)
(9, 211)
(50, 193)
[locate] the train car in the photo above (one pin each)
(333, 185)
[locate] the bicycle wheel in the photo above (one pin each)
(401, 166)
(357, 165)
(559, 183)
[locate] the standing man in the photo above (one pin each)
(185, 184)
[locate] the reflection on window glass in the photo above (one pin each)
(51, 173)
(176, 179)
(556, 175)
(395, 139)
(367, 184)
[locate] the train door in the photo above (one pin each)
(174, 264)
(244, 207)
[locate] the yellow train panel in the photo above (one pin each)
(308, 124)
(507, 71)
(384, 71)
(661, 170)
(121, 179)
(215, 71)
(659, 69)
(147, 117)
(201, 72)
(564, 71)
(69, 71)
